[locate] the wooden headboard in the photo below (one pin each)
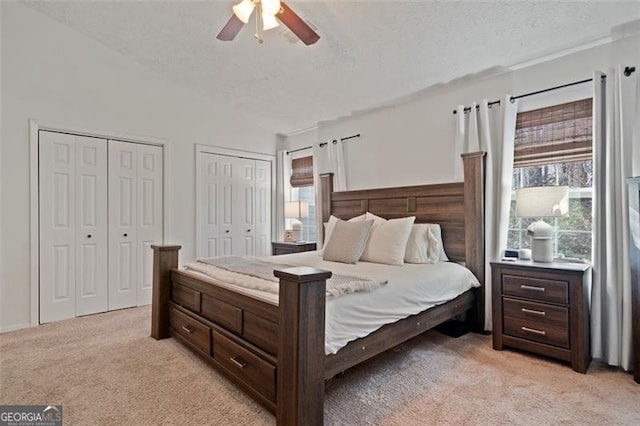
(458, 207)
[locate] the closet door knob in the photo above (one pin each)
(124, 235)
(248, 230)
(89, 236)
(227, 231)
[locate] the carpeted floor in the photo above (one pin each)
(105, 369)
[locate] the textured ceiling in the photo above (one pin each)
(369, 53)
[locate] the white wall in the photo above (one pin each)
(412, 142)
(56, 75)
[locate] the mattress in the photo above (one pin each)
(411, 289)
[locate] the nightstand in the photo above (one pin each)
(543, 308)
(282, 247)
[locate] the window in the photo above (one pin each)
(553, 146)
(303, 189)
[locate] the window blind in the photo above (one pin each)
(556, 134)
(301, 172)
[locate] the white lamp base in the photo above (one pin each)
(541, 242)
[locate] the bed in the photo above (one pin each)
(276, 349)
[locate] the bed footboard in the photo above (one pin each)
(297, 396)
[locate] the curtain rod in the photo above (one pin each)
(335, 141)
(627, 72)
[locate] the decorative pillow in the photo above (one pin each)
(388, 240)
(348, 241)
(328, 229)
(437, 233)
(422, 245)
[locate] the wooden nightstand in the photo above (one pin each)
(282, 247)
(543, 308)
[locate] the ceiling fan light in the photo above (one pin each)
(270, 7)
(269, 22)
(243, 10)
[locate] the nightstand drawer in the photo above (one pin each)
(539, 312)
(536, 288)
(537, 331)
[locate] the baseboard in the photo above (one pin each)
(15, 327)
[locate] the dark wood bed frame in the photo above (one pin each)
(276, 352)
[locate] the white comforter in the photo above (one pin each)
(412, 288)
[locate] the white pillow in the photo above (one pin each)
(387, 240)
(437, 233)
(328, 230)
(347, 244)
(425, 244)
(422, 245)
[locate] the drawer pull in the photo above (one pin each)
(239, 362)
(529, 287)
(531, 311)
(534, 331)
(187, 329)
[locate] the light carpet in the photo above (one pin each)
(105, 369)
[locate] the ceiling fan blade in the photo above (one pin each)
(231, 30)
(297, 25)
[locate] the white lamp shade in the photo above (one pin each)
(243, 10)
(542, 201)
(269, 22)
(296, 209)
(270, 7)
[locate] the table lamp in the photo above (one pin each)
(294, 210)
(540, 202)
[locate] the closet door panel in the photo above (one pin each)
(243, 200)
(207, 206)
(227, 209)
(149, 208)
(57, 198)
(262, 233)
(91, 230)
(122, 224)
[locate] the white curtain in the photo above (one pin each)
(335, 149)
(615, 116)
(283, 190)
(491, 130)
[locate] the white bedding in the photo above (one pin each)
(412, 288)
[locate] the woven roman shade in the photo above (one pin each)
(301, 172)
(557, 134)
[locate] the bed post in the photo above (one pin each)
(165, 258)
(300, 372)
(474, 227)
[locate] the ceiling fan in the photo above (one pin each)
(268, 11)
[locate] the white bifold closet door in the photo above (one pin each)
(233, 206)
(73, 225)
(100, 209)
(135, 221)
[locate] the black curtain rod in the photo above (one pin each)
(627, 72)
(335, 141)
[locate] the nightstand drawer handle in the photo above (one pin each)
(531, 311)
(534, 331)
(529, 287)
(187, 329)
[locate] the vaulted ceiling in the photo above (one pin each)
(369, 53)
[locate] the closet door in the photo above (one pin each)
(207, 206)
(227, 210)
(73, 221)
(122, 224)
(262, 208)
(92, 223)
(149, 210)
(243, 199)
(135, 221)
